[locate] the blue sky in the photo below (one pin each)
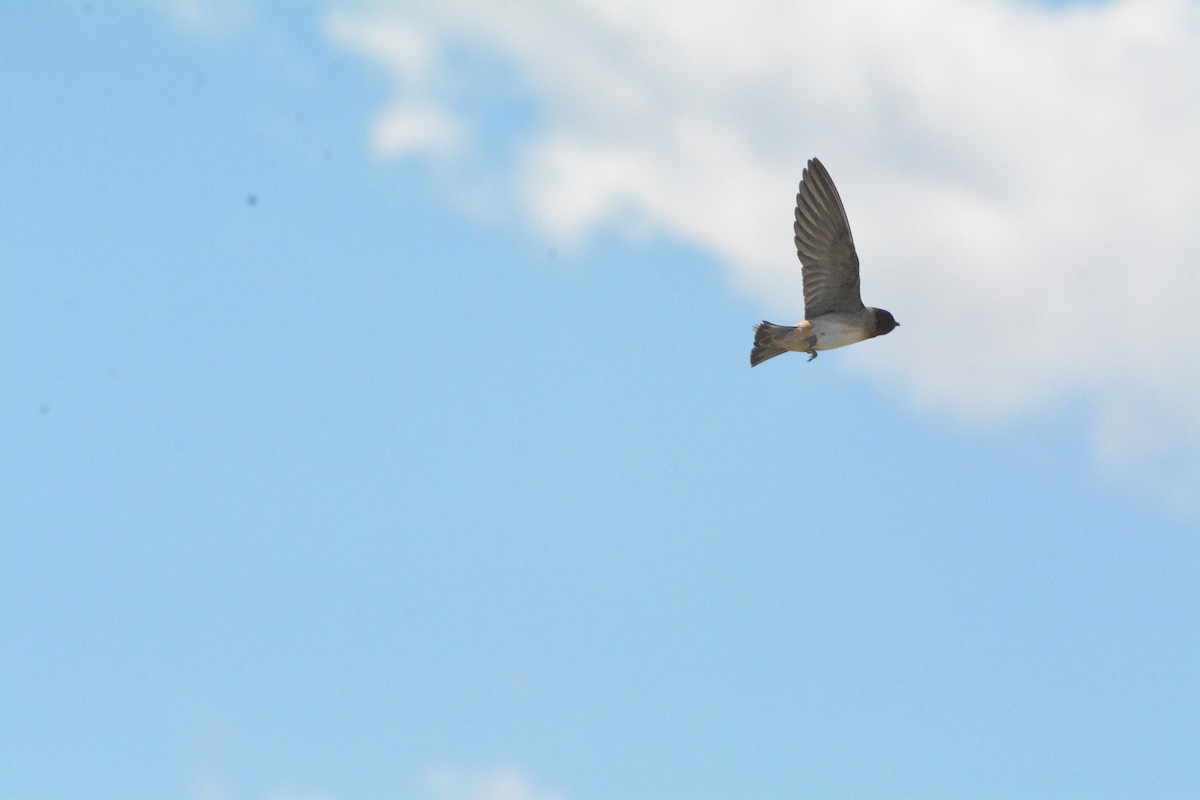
(345, 458)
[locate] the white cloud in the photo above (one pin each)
(216, 19)
(1023, 182)
(414, 124)
(500, 783)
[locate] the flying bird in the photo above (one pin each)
(833, 308)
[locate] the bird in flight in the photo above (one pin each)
(833, 308)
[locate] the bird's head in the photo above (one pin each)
(884, 322)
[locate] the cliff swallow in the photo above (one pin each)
(834, 312)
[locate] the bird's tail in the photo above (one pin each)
(768, 338)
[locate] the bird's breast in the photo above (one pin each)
(833, 331)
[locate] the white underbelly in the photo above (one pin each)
(834, 333)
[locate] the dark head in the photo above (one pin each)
(882, 321)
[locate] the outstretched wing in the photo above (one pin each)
(825, 246)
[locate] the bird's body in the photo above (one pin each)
(834, 311)
(829, 331)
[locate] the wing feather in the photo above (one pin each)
(825, 246)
